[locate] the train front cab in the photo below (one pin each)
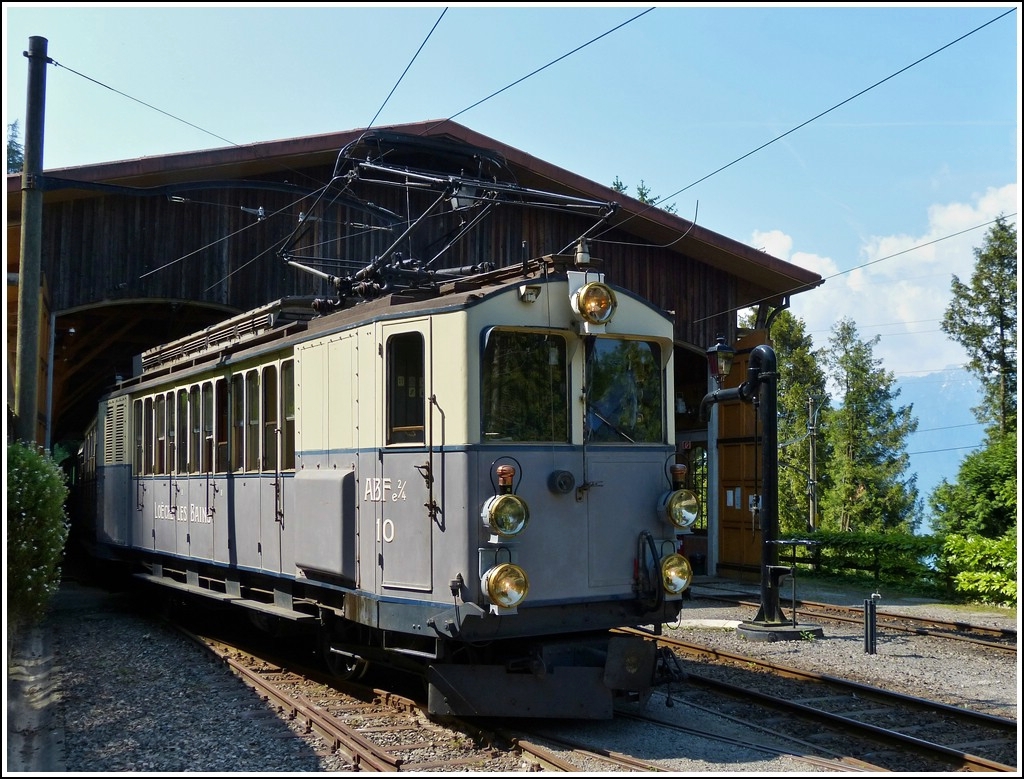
(575, 416)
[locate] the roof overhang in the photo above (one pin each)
(763, 278)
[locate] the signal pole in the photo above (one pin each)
(812, 480)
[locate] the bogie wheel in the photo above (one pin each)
(345, 665)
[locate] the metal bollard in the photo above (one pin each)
(870, 629)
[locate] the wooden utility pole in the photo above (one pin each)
(26, 379)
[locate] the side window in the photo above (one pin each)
(221, 402)
(171, 453)
(207, 464)
(270, 418)
(182, 431)
(147, 441)
(195, 425)
(252, 421)
(405, 383)
(137, 457)
(237, 422)
(288, 412)
(160, 419)
(525, 387)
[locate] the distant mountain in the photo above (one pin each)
(946, 431)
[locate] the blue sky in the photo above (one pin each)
(883, 127)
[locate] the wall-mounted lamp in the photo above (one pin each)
(529, 293)
(720, 357)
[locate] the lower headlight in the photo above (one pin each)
(506, 585)
(680, 508)
(676, 574)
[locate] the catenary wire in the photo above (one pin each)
(812, 119)
(654, 204)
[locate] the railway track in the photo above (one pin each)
(371, 729)
(890, 725)
(997, 638)
(379, 730)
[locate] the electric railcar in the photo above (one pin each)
(475, 480)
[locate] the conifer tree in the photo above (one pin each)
(15, 151)
(868, 488)
(982, 317)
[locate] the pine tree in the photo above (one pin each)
(868, 489)
(982, 317)
(643, 194)
(15, 151)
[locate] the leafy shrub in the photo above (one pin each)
(983, 569)
(37, 528)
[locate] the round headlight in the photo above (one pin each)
(507, 515)
(681, 508)
(506, 585)
(676, 574)
(595, 302)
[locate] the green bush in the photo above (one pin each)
(983, 569)
(37, 529)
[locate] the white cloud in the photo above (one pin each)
(900, 288)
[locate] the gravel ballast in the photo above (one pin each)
(97, 688)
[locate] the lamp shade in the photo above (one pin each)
(720, 358)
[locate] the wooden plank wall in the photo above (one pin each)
(112, 247)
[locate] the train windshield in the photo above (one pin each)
(624, 392)
(524, 387)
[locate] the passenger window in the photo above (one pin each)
(137, 424)
(147, 444)
(405, 388)
(252, 424)
(171, 451)
(195, 415)
(160, 420)
(207, 465)
(221, 464)
(237, 422)
(270, 418)
(288, 405)
(182, 431)
(525, 387)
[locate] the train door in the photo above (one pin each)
(114, 476)
(247, 496)
(271, 496)
(158, 445)
(208, 485)
(147, 530)
(625, 419)
(400, 494)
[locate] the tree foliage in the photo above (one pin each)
(643, 194)
(977, 514)
(801, 398)
(983, 499)
(15, 151)
(982, 317)
(868, 488)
